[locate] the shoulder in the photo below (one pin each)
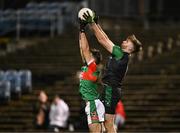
(117, 52)
(63, 103)
(92, 64)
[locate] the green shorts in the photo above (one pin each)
(110, 98)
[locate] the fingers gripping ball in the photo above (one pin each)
(86, 14)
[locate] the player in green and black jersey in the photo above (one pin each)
(116, 68)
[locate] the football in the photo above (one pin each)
(84, 10)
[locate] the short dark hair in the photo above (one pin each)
(136, 42)
(97, 55)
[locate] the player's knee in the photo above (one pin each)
(94, 128)
(109, 126)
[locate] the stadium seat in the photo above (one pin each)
(14, 79)
(5, 92)
(26, 80)
(10, 14)
(43, 6)
(41, 16)
(31, 5)
(2, 75)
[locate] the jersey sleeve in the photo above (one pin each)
(89, 73)
(117, 52)
(92, 65)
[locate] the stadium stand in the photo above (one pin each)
(14, 79)
(5, 92)
(42, 17)
(2, 77)
(150, 103)
(26, 80)
(13, 83)
(151, 88)
(150, 91)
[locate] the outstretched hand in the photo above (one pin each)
(88, 18)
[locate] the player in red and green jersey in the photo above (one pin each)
(88, 82)
(115, 70)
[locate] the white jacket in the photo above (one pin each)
(59, 114)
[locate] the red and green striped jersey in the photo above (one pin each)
(88, 81)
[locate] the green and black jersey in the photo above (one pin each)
(116, 67)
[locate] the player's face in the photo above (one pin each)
(128, 45)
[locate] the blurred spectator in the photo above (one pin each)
(178, 40)
(59, 113)
(120, 115)
(159, 47)
(140, 55)
(170, 43)
(42, 111)
(150, 51)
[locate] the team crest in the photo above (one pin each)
(94, 116)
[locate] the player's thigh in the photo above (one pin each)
(109, 119)
(110, 98)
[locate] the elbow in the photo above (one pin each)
(84, 52)
(84, 49)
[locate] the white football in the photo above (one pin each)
(84, 10)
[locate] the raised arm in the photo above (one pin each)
(83, 43)
(102, 38)
(84, 48)
(81, 52)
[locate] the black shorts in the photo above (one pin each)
(110, 98)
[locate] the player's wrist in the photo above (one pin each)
(82, 25)
(82, 30)
(90, 20)
(96, 17)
